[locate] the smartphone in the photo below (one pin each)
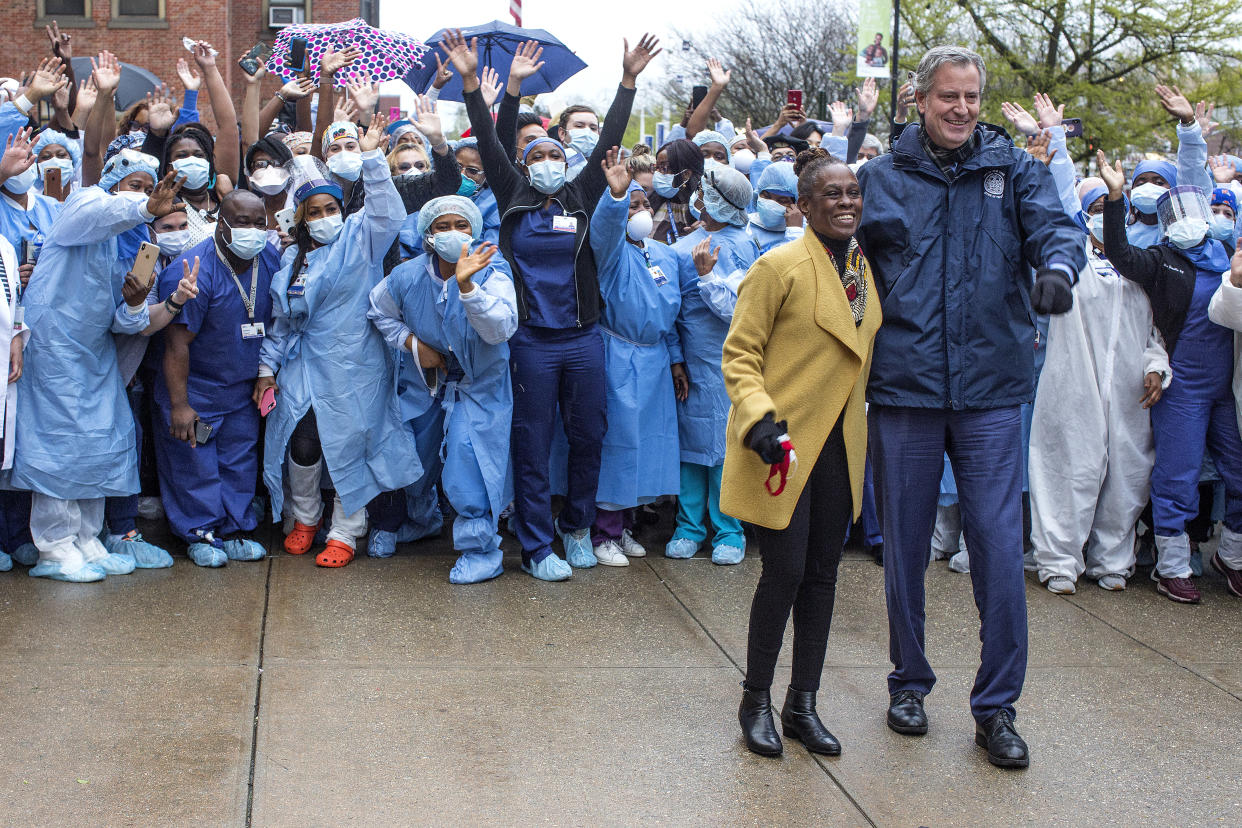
(202, 432)
(394, 113)
(144, 262)
(52, 185)
(297, 54)
(697, 94)
(1073, 127)
(251, 61)
(285, 219)
(28, 252)
(267, 402)
(431, 376)
(794, 98)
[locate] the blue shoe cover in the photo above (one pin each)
(244, 549)
(27, 554)
(116, 563)
(204, 554)
(6, 562)
(1196, 563)
(578, 551)
(550, 568)
(476, 567)
(725, 555)
(381, 544)
(145, 555)
(55, 570)
(681, 548)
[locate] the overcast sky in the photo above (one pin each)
(594, 38)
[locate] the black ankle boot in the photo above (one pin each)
(755, 716)
(800, 721)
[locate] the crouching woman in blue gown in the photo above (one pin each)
(335, 400)
(452, 312)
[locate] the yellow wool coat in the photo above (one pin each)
(793, 351)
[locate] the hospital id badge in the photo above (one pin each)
(19, 319)
(565, 224)
(298, 286)
(658, 276)
(252, 330)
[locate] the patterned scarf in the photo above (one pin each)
(853, 275)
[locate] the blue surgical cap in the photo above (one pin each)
(1089, 197)
(726, 195)
(543, 140)
(1164, 169)
(51, 136)
(1222, 196)
(779, 179)
(127, 162)
(709, 135)
(466, 143)
(454, 205)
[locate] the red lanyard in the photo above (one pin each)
(784, 469)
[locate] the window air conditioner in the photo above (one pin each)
(279, 17)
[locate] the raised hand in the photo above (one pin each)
(868, 99)
(1049, 115)
(18, 155)
(616, 172)
(464, 56)
(427, 121)
(719, 75)
(333, 61)
(704, 257)
(106, 70)
(1223, 170)
(1037, 147)
(49, 77)
(490, 85)
(297, 88)
(842, 116)
(1175, 103)
(257, 77)
(87, 93)
(187, 288)
(1022, 120)
(1203, 114)
(469, 264)
(364, 93)
(753, 140)
(60, 99)
(635, 60)
(1235, 266)
(204, 55)
(62, 42)
(374, 135)
(1114, 177)
(905, 100)
(526, 60)
(346, 110)
(443, 73)
(163, 199)
(161, 110)
(190, 79)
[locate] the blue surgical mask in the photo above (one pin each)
(196, 171)
(547, 177)
(1221, 229)
(694, 210)
(1187, 233)
(1145, 196)
(1096, 225)
(173, 242)
(325, 230)
(346, 165)
(771, 214)
(583, 140)
(467, 187)
(246, 242)
(448, 244)
(663, 184)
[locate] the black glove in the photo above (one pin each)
(1052, 292)
(765, 439)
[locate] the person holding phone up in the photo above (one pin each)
(206, 422)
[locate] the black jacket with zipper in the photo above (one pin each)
(515, 195)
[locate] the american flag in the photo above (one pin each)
(515, 9)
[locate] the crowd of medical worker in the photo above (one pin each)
(363, 328)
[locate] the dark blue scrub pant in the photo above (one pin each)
(121, 513)
(551, 367)
(907, 451)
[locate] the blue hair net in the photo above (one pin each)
(51, 136)
(446, 205)
(726, 195)
(1089, 197)
(543, 140)
(127, 162)
(1164, 169)
(466, 143)
(709, 135)
(779, 179)
(1222, 196)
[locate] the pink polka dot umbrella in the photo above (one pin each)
(386, 55)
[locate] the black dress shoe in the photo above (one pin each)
(755, 716)
(906, 714)
(800, 721)
(877, 554)
(1005, 747)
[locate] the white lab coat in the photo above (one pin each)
(1091, 450)
(1226, 309)
(8, 314)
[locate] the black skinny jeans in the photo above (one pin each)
(800, 572)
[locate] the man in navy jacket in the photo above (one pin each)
(954, 220)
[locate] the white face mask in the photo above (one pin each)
(1096, 225)
(196, 170)
(639, 226)
(173, 242)
(583, 140)
(447, 244)
(63, 164)
(19, 184)
(269, 181)
(771, 214)
(1186, 233)
(742, 159)
(346, 165)
(325, 230)
(1145, 196)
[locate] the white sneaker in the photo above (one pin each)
(631, 547)
(1060, 585)
(609, 553)
(1113, 583)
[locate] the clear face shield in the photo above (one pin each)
(1185, 215)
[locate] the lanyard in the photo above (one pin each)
(254, 282)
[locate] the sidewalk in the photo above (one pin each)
(276, 693)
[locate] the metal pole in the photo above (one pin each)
(894, 65)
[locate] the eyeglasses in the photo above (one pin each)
(263, 165)
(471, 171)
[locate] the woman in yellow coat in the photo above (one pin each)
(795, 366)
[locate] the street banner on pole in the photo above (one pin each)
(875, 26)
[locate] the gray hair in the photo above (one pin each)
(873, 142)
(939, 56)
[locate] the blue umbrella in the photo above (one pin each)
(497, 43)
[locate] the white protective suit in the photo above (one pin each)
(1225, 309)
(1091, 451)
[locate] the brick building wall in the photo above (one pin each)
(231, 26)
